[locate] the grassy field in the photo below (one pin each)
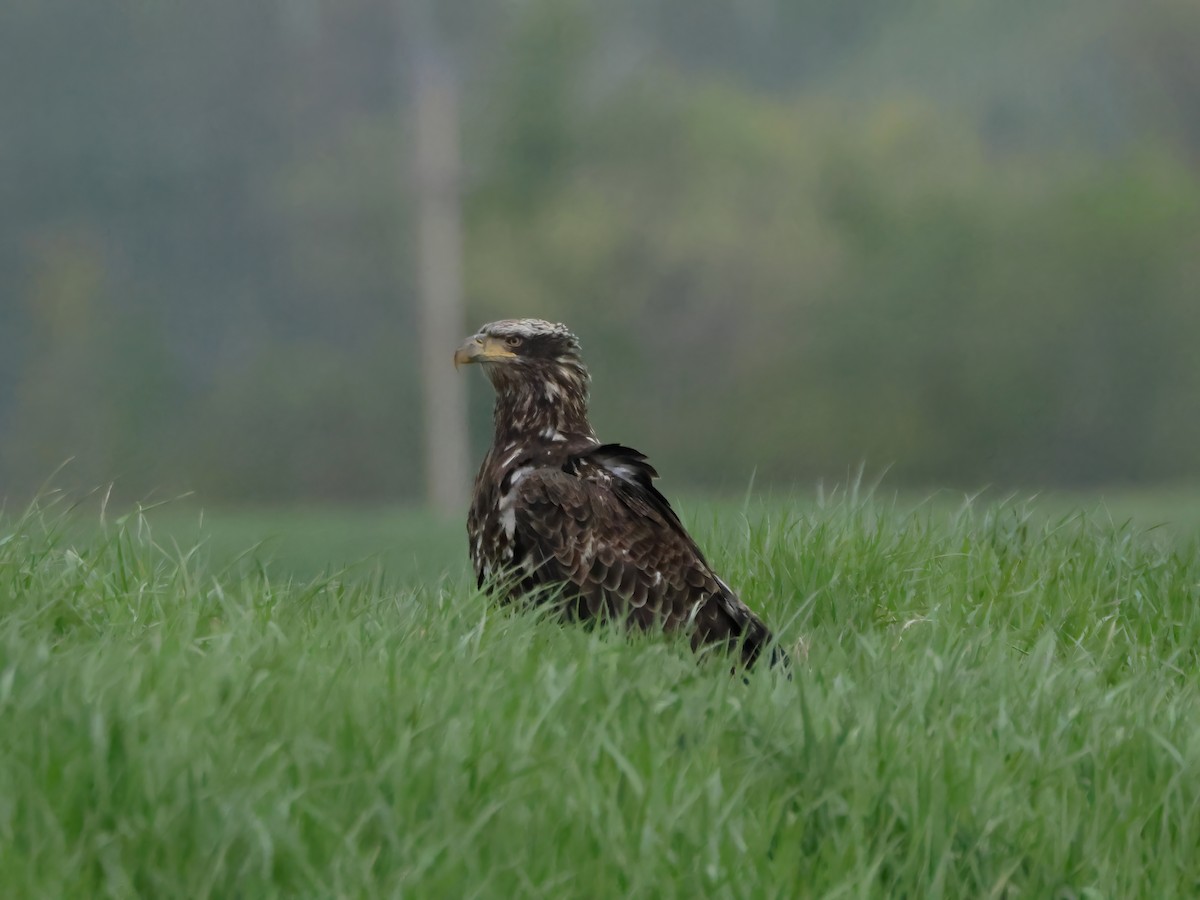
(991, 700)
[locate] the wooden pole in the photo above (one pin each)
(439, 279)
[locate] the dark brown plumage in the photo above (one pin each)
(555, 510)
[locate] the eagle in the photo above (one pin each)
(556, 513)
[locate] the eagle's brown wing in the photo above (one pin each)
(599, 527)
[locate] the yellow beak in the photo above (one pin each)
(481, 349)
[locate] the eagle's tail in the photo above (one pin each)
(756, 638)
(727, 620)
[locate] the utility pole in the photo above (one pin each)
(439, 262)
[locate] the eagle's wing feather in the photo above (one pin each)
(598, 526)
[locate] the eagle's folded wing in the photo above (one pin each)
(614, 542)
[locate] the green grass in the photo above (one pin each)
(304, 542)
(997, 700)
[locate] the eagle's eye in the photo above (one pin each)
(513, 341)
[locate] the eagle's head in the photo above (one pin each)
(535, 366)
(528, 343)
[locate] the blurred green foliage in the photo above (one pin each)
(962, 240)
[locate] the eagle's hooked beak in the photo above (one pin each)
(481, 349)
(468, 352)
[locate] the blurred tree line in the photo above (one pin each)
(962, 239)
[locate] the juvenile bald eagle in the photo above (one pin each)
(555, 508)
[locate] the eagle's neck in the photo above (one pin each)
(539, 404)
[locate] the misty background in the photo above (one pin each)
(959, 239)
